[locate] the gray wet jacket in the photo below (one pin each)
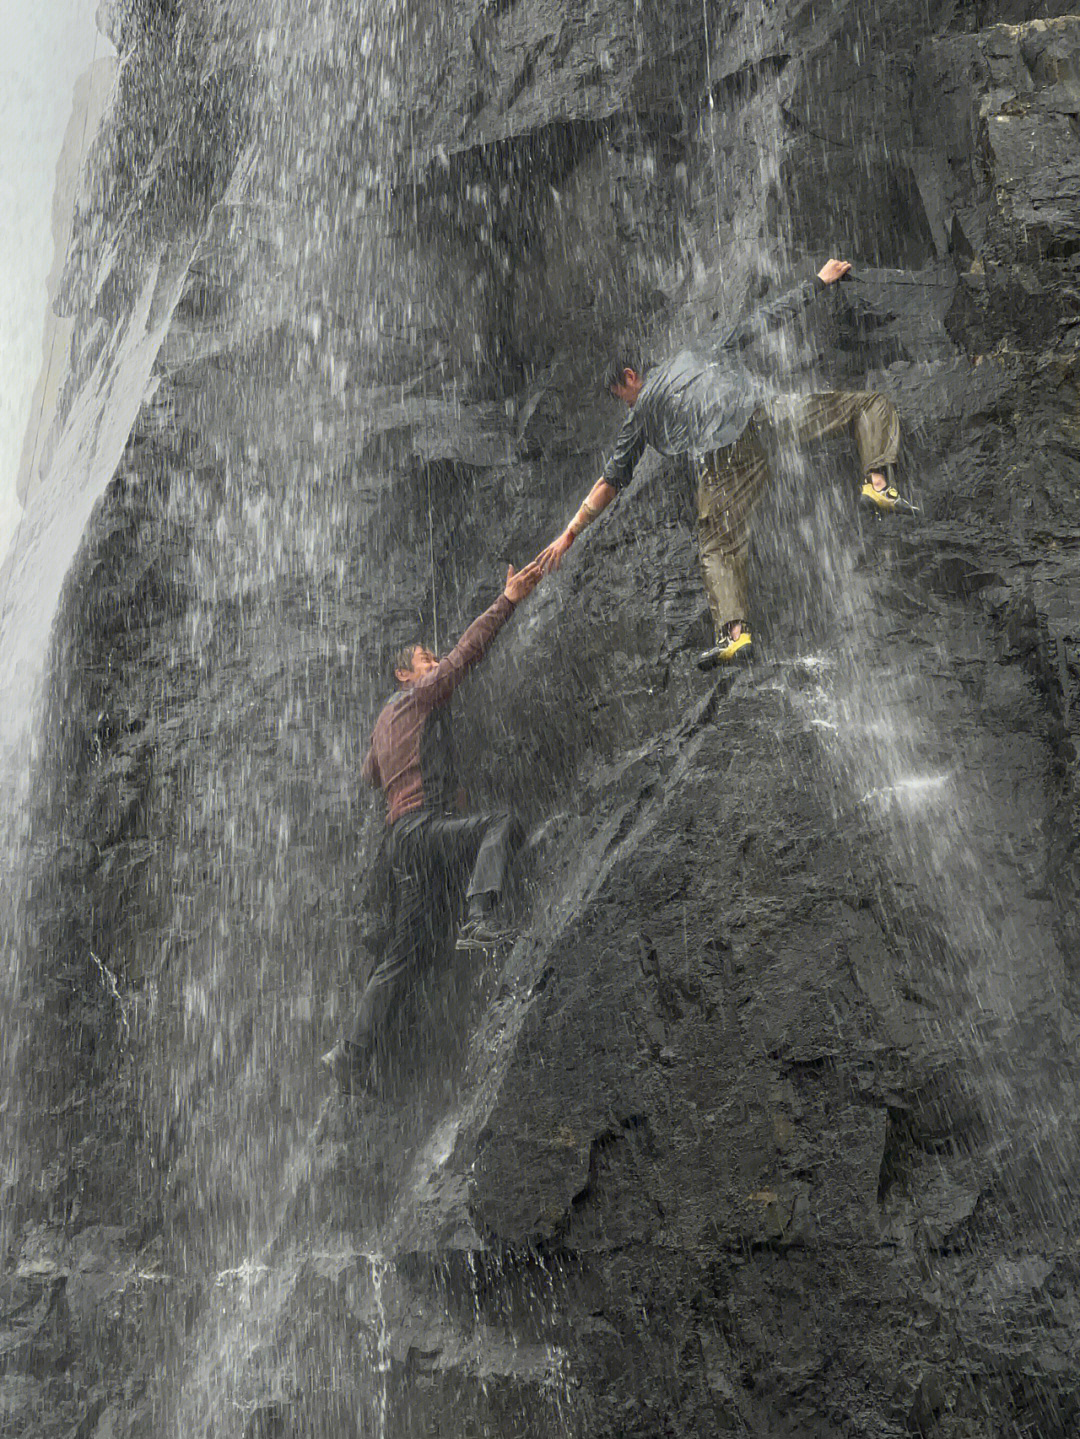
(702, 398)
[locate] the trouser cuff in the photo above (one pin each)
(481, 904)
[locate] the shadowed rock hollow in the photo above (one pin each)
(767, 1123)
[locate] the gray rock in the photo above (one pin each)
(767, 1122)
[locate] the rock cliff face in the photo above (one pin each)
(767, 1123)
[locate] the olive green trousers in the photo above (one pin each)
(732, 480)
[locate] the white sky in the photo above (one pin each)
(47, 44)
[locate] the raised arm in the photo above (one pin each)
(437, 687)
(618, 471)
(591, 507)
(775, 313)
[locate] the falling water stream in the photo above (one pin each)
(281, 523)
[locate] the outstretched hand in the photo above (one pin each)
(550, 558)
(834, 270)
(520, 583)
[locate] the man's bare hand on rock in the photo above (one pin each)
(834, 270)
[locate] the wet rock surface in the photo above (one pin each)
(767, 1121)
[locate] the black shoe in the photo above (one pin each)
(340, 1062)
(483, 934)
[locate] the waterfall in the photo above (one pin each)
(762, 1123)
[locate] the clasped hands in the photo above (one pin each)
(520, 583)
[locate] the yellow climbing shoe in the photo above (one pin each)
(887, 499)
(724, 651)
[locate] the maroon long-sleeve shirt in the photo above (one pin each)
(409, 757)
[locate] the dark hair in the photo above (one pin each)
(628, 359)
(402, 659)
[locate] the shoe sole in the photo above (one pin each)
(744, 656)
(900, 507)
(495, 942)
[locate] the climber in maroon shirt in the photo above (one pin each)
(432, 849)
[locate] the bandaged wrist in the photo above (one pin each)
(584, 517)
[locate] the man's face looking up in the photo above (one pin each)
(628, 388)
(423, 662)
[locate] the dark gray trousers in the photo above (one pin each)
(431, 857)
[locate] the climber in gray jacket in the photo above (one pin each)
(705, 404)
